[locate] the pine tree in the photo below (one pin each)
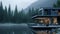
(1, 12)
(22, 15)
(5, 14)
(9, 14)
(16, 15)
(12, 15)
(57, 4)
(29, 15)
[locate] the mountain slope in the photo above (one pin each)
(42, 3)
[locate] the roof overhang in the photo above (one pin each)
(39, 16)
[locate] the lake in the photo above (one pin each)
(16, 29)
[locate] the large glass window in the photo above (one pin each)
(38, 32)
(39, 20)
(47, 12)
(40, 12)
(44, 32)
(41, 32)
(59, 12)
(54, 12)
(44, 20)
(55, 21)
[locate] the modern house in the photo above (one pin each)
(50, 17)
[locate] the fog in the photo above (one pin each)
(20, 3)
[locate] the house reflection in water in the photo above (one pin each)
(48, 16)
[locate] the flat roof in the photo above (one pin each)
(44, 16)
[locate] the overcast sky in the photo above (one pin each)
(20, 3)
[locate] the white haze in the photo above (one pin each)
(20, 3)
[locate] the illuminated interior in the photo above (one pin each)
(43, 20)
(46, 20)
(38, 32)
(59, 13)
(55, 21)
(44, 32)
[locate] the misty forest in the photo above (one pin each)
(15, 16)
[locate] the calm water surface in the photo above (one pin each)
(15, 29)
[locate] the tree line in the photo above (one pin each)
(9, 16)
